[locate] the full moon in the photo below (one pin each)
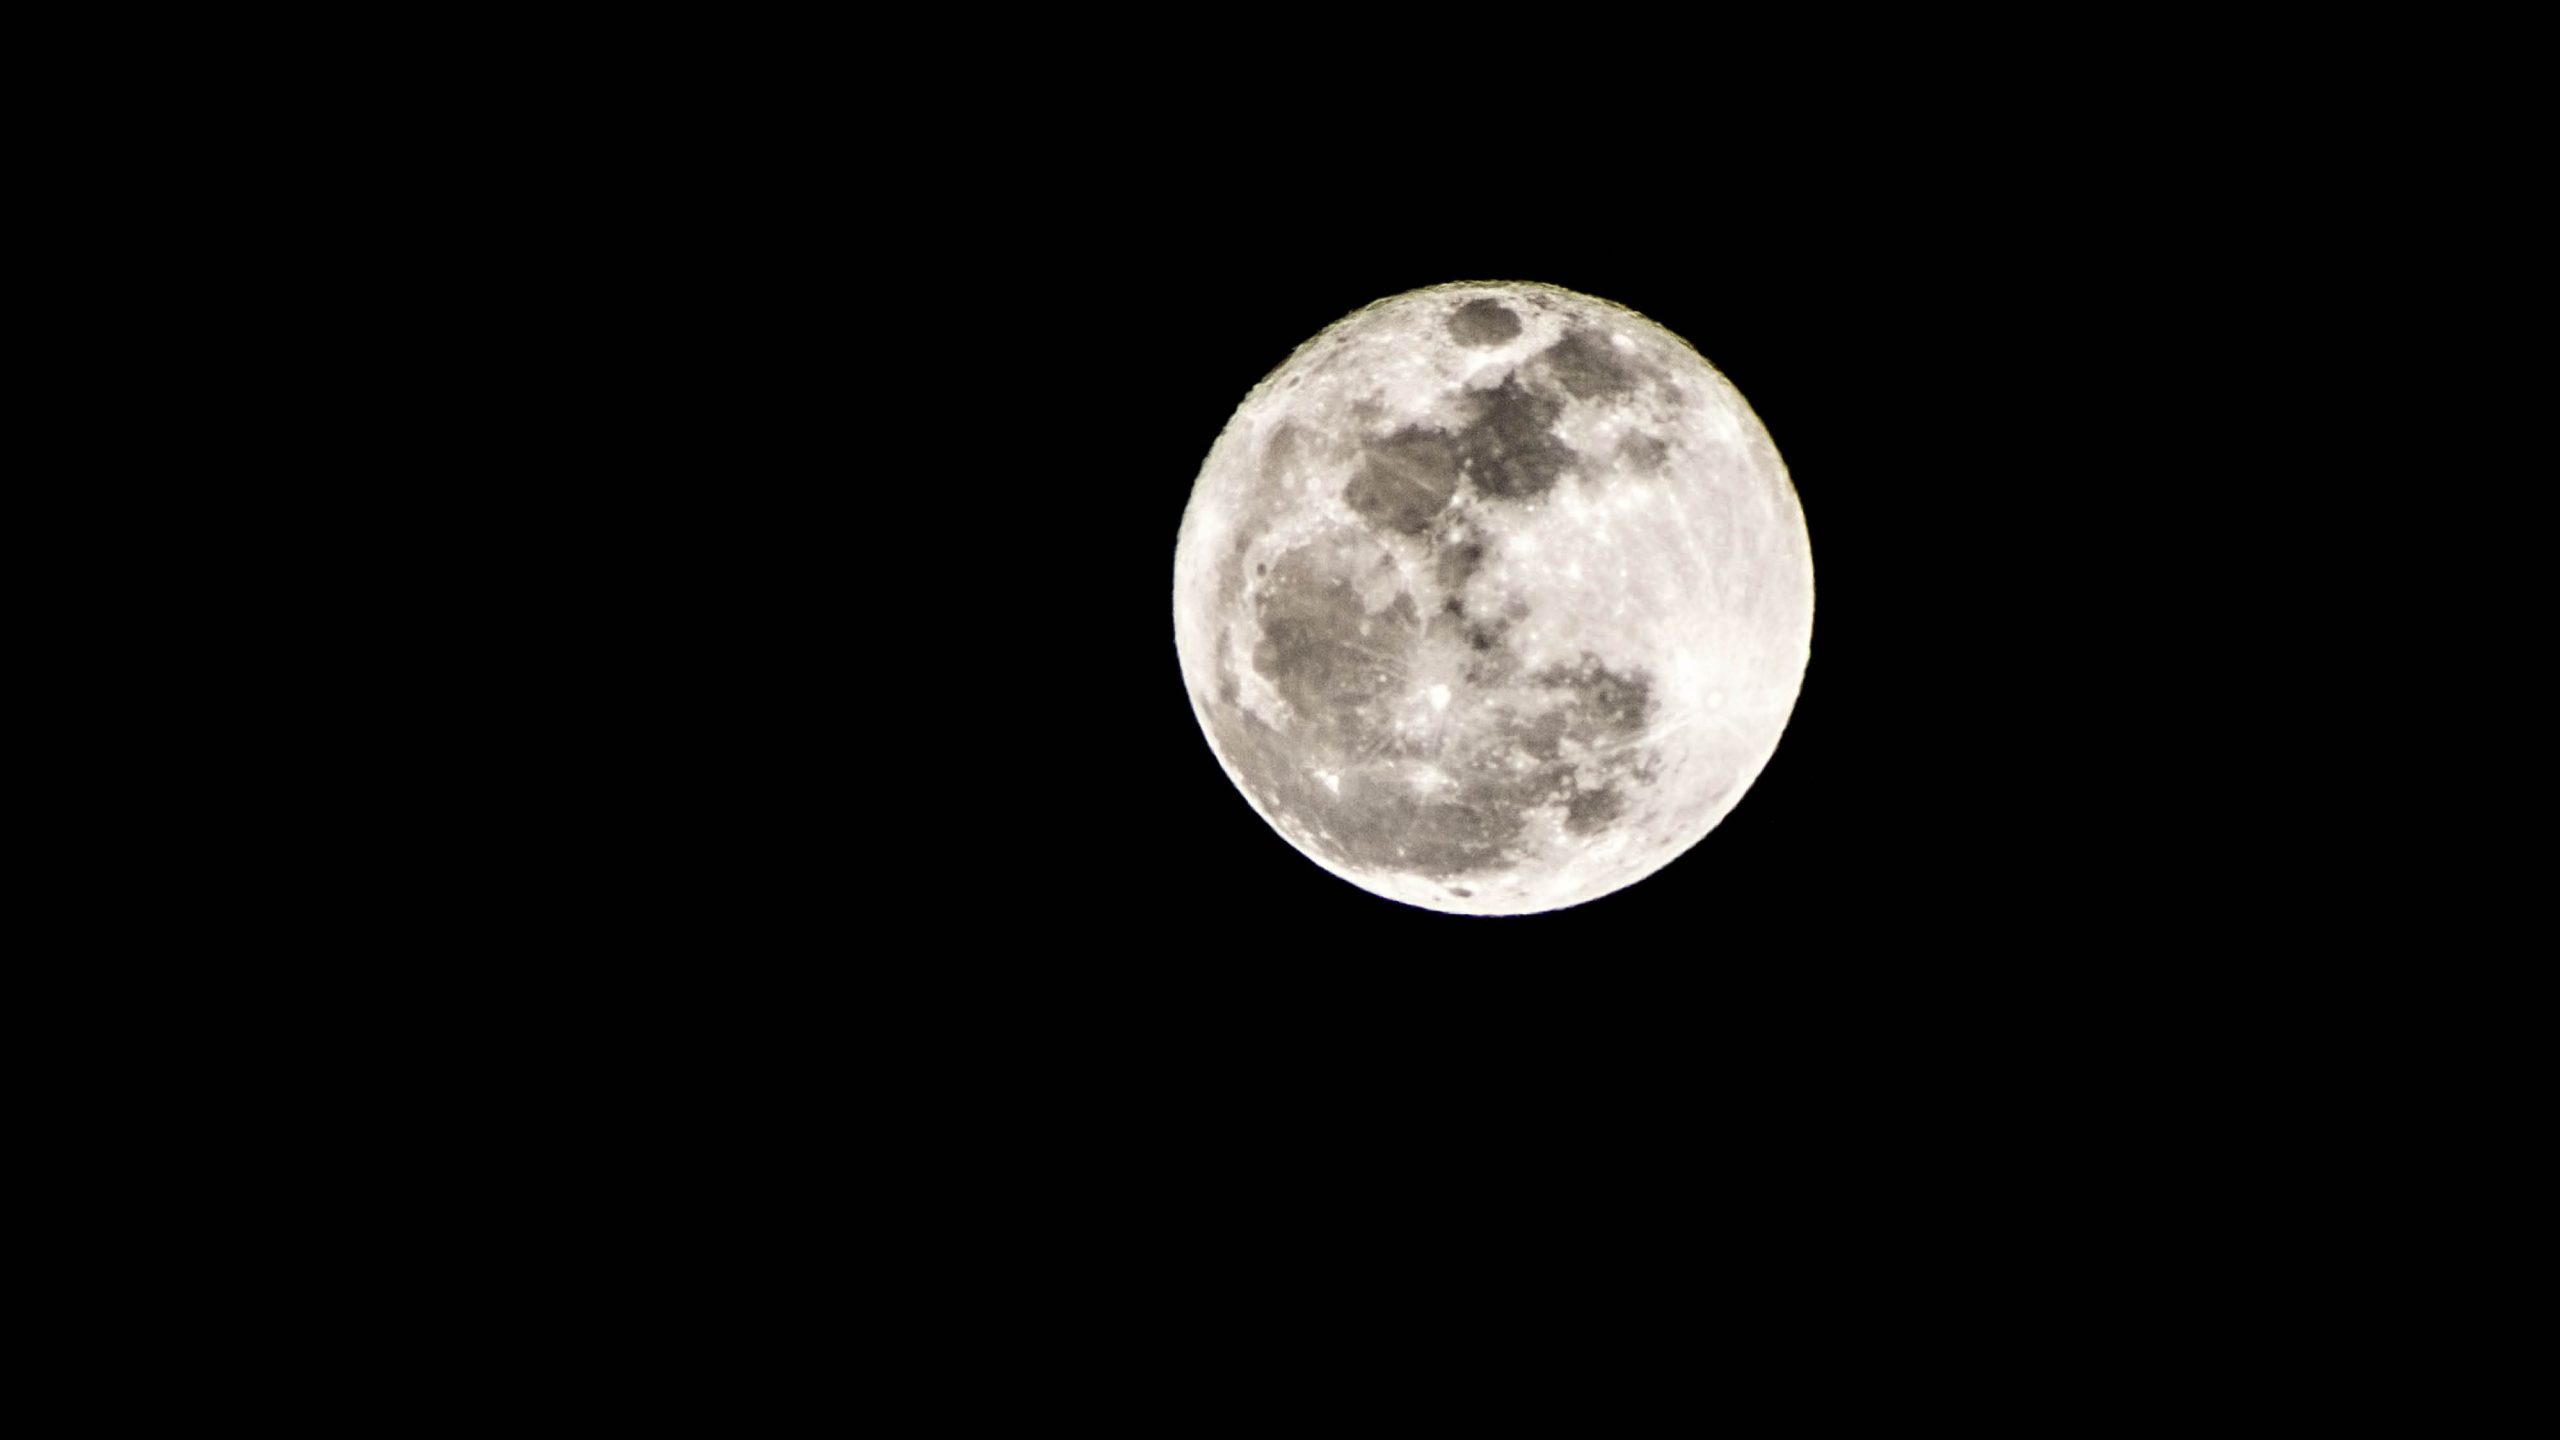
(1493, 598)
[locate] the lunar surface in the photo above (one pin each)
(1493, 598)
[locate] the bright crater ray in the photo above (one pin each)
(1494, 598)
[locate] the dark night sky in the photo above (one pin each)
(1965, 374)
(812, 776)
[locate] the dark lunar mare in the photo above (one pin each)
(1322, 650)
(1405, 480)
(1457, 554)
(1605, 711)
(1566, 736)
(1509, 447)
(1616, 703)
(1588, 366)
(1506, 448)
(1645, 452)
(1561, 736)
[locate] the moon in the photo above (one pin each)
(1494, 598)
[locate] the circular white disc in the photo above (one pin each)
(1494, 598)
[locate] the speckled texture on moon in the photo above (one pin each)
(1493, 598)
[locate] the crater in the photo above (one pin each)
(1483, 323)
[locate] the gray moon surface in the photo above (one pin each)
(1494, 598)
